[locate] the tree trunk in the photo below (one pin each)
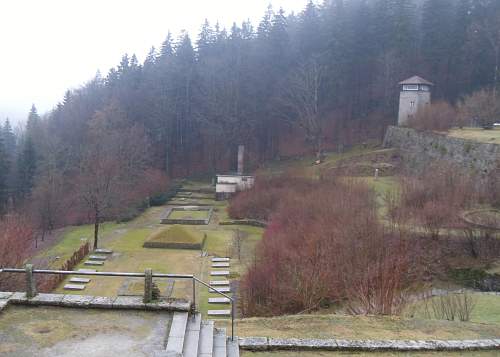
(96, 230)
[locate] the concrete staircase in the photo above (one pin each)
(190, 336)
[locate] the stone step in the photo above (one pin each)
(225, 289)
(74, 287)
(219, 282)
(220, 260)
(206, 344)
(98, 257)
(219, 342)
(93, 262)
(103, 251)
(220, 265)
(219, 312)
(233, 349)
(79, 280)
(219, 273)
(219, 300)
(175, 342)
(192, 338)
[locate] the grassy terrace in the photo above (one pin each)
(477, 134)
(188, 214)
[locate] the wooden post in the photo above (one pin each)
(30, 282)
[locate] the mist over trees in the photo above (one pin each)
(324, 77)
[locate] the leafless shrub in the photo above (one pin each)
(438, 116)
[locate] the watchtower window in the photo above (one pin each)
(412, 104)
(410, 86)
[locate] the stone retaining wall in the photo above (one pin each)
(296, 344)
(421, 148)
(87, 301)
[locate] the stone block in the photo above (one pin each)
(74, 287)
(103, 251)
(98, 257)
(219, 282)
(3, 304)
(219, 273)
(47, 299)
(18, 298)
(129, 302)
(5, 294)
(94, 262)
(254, 343)
(169, 305)
(220, 265)
(220, 260)
(79, 280)
(219, 300)
(76, 300)
(103, 302)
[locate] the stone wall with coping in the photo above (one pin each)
(419, 149)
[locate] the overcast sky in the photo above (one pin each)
(48, 46)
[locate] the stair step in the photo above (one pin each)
(98, 257)
(218, 260)
(206, 344)
(94, 262)
(219, 273)
(192, 340)
(219, 300)
(220, 265)
(74, 287)
(225, 289)
(79, 280)
(219, 312)
(219, 282)
(103, 251)
(175, 342)
(220, 342)
(233, 350)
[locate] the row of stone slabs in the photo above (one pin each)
(77, 283)
(221, 286)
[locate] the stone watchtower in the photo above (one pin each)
(415, 94)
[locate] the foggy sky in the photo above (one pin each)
(48, 46)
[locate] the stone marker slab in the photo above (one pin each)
(219, 312)
(79, 280)
(220, 265)
(104, 302)
(220, 260)
(219, 282)
(74, 287)
(76, 300)
(98, 257)
(103, 251)
(219, 273)
(94, 262)
(5, 294)
(47, 299)
(87, 270)
(219, 300)
(221, 289)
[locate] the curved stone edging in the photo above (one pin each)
(267, 343)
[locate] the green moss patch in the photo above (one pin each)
(176, 237)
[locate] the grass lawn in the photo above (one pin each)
(363, 327)
(477, 134)
(487, 309)
(188, 214)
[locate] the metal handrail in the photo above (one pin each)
(134, 275)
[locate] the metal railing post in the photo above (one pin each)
(194, 294)
(232, 320)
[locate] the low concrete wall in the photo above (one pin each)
(421, 148)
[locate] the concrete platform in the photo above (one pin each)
(219, 273)
(94, 262)
(222, 289)
(103, 251)
(219, 300)
(98, 257)
(220, 265)
(220, 260)
(79, 280)
(219, 282)
(219, 312)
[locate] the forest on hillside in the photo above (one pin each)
(291, 84)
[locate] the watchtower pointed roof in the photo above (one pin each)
(416, 80)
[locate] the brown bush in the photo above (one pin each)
(316, 250)
(439, 116)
